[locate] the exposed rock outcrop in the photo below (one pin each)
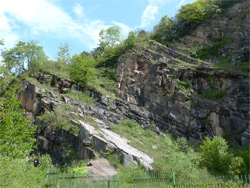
(170, 86)
(63, 145)
(234, 23)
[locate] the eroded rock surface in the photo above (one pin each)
(172, 92)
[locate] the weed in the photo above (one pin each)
(208, 52)
(214, 95)
(60, 119)
(182, 86)
(168, 157)
(191, 102)
(81, 96)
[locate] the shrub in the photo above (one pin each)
(82, 69)
(207, 52)
(237, 167)
(214, 155)
(20, 173)
(16, 131)
(213, 94)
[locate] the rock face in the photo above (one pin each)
(62, 145)
(104, 138)
(158, 81)
(234, 23)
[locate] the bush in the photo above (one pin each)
(208, 52)
(237, 167)
(214, 155)
(16, 131)
(169, 156)
(213, 94)
(82, 69)
(20, 173)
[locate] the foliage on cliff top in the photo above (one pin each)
(188, 18)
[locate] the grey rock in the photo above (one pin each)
(154, 147)
(85, 133)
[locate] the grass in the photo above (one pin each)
(207, 52)
(213, 95)
(226, 64)
(60, 119)
(88, 119)
(185, 64)
(21, 173)
(183, 87)
(191, 102)
(126, 174)
(53, 67)
(81, 96)
(170, 156)
(102, 83)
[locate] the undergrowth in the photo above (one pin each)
(81, 96)
(213, 94)
(170, 155)
(60, 119)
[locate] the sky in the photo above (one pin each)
(77, 22)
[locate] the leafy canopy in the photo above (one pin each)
(188, 18)
(63, 55)
(24, 56)
(15, 130)
(82, 69)
(107, 38)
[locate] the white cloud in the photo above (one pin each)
(43, 17)
(6, 31)
(148, 15)
(78, 10)
(150, 11)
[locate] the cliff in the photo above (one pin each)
(233, 24)
(185, 96)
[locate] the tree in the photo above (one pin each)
(63, 54)
(16, 131)
(24, 56)
(108, 38)
(162, 31)
(215, 155)
(81, 69)
(2, 42)
(191, 15)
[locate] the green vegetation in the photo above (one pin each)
(191, 102)
(126, 173)
(97, 71)
(171, 155)
(21, 173)
(60, 119)
(215, 155)
(82, 69)
(213, 94)
(182, 64)
(226, 64)
(188, 18)
(208, 52)
(15, 130)
(183, 87)
(24, 56)
(81, 96)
